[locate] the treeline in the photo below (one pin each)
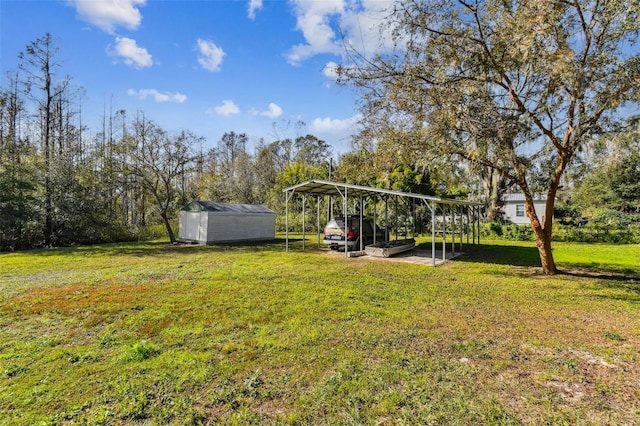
(62, 183)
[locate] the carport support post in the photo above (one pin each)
(346, 224)
(304, 200)
(452, 209)
(467, 227)
(414, 217)
(433, 232)
(444, 234)
(386, 218)
(318, 222)
(286, 220)
(395, 198)
(473, 223)
(375, 224)
(361, 236)
(461, 225)
(478, 225)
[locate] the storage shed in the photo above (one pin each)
(207, 222)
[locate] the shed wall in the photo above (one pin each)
(226, 227)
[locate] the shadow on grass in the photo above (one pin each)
(500, 255)
(529, 257)
(155, 248)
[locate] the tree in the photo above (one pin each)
(12, 147)
(517, 86)
(229, 169)
(17, 177)
(158, 161)
(267, 164)
(614, 186)
(40, 62)
(311, 150)
(16, 206)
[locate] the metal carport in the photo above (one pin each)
(321, 188)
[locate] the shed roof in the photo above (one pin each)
(211, 206)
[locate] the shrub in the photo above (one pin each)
(592, 234)
(608, 220)
(491, 229)
(604, 230)
(518, 232)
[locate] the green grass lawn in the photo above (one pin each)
(147, 333)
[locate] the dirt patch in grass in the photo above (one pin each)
(78, 298)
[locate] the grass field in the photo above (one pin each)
(147, 334)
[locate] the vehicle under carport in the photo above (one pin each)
(456, 217)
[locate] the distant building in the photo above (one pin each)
(514, 208)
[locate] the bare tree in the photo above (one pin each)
(159, 160)
(40, 63)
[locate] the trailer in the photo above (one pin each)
(390, 248)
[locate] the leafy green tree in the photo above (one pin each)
(357, 167)
(18, 180)
(407, 179)
(17, 207)
(311, 150)
(514, 86)
(613, 186)
(270, 160)
(295, 173)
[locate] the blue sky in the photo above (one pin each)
(209, 66)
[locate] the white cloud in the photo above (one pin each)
(110, 14)
(274, 111)
(333, 126)
(157, 96)
(210, 55)
(132, 54)
(313, 19)
(227, 108)
(330, 70)
(324, 24)
(254, 5)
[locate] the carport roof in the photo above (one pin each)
(321, 187)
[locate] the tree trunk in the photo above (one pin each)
(172, 236)
(543, 234)
(494, 186)
(546, 256)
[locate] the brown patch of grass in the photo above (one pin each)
(78, 298)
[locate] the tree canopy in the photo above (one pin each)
(516, 86)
